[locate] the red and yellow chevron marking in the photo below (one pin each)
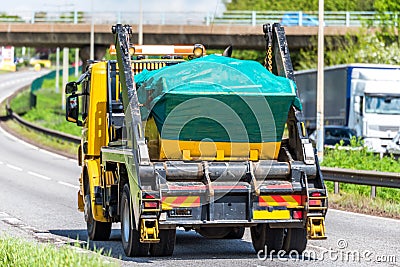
(289, 201)
(169, 203)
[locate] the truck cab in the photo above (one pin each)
(374, 105)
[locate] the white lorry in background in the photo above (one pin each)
(364, 97)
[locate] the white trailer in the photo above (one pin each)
(364, 97)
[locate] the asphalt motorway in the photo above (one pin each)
(38, 201)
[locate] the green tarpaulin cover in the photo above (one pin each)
(218, 99)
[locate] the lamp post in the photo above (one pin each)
(58, 70)
(64, 75)
(320, 83)
(140, 30)
(92, 32)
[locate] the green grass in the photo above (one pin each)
(18, 252)
(20, 104)
(3, 111)
(359, 159)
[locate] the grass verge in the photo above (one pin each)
(355, 198)
(18, 252)
(47, 142)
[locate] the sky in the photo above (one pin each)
(213, 6)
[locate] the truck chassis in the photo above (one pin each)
(283, 200)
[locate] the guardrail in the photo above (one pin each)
(299, 18)
(237, 17)
(373, 178)
(362, 177)
(49, 132)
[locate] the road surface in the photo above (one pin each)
(38, 200)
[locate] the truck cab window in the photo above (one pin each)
(382, 104)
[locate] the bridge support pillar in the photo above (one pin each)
(84, 54)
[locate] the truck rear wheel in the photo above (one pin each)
(263, 236)
(166, 245)
(295, 240)
(97, 231)
(130, 237)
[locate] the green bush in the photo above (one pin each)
(359, 158)
(20, 104)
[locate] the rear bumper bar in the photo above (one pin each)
(235, 223)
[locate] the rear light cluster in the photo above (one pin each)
(315, 202)
(297, 214)
(150, 202)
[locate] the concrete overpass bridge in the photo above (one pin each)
(212, 36)
(242, 29)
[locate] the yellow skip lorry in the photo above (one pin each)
(172, 137)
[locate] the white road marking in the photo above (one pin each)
(365, 215)
(14, 167)
(41, 235)
(52, 154)
(13, 221)
(39, 176)
(68, 184)
(4, 214)
(12, 137)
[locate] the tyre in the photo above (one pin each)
(236, 233)
(258, 235)
(274, 239)
(97, 231)
(166, 245)
(295, 240)
(130, 237)
(262, 236)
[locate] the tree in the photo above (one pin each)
(374, 46)
(303, 5)
(363, 48)
(388, 19)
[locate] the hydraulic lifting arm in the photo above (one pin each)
(148, 227)
(278, 62)
(135, 131)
